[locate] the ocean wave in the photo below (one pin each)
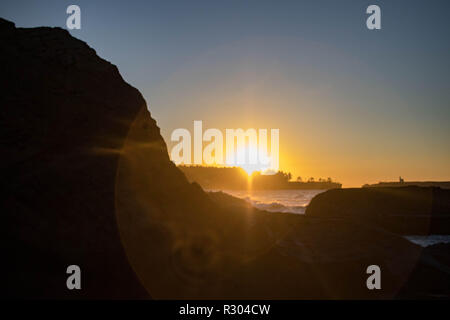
(430, 240)
(277, 207)
(292, 201)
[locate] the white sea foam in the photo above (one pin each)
(278, 207)
(294, 201)
(430, 240)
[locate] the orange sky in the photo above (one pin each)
(320, 136)
(323, 132)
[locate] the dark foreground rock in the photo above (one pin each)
(431, 277)
(64, 111)
(405, 210)
(86, 180)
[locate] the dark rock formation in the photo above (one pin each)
(403, 210)
(86, 180)
(64, 115)
(431, 277)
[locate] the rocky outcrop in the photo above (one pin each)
(86, 180)
(65, 114)
(431, 277)
(403, 210)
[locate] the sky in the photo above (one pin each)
(357, 105)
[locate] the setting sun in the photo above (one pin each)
(248, 158)
(250, 168)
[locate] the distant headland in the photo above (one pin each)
(402, 183)
(235, 178)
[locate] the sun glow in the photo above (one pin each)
(261, 164)
(250, 168)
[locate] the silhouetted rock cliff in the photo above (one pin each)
(65, 114)
(404, 210)
(86, 180)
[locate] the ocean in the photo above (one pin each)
(295, 201)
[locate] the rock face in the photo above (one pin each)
(86, 180)
(403, 210)
(65, 113)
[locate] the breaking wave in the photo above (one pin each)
(276, 207)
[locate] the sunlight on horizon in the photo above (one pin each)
(261, 164)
